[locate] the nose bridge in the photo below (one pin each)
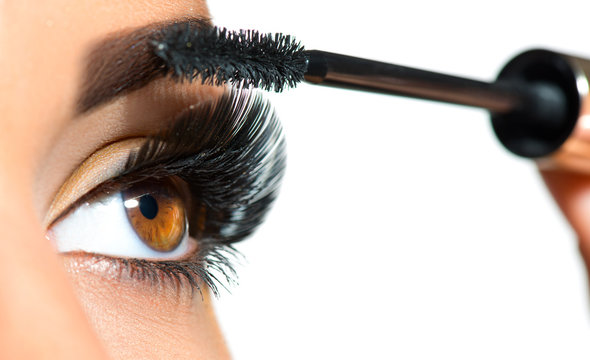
(37, 304)
(23, 249)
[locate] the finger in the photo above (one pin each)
(571, 191)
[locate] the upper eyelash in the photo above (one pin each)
(231, 154)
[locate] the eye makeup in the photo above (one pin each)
(230, 154)
(123, 62)
(101, 166)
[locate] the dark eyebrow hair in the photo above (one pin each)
(124, 62)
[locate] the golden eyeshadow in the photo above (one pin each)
(101, 166)
(157, 213)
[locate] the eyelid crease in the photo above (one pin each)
(98, 168)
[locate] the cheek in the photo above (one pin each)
(130, 317)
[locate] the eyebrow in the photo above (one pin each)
(123, 62)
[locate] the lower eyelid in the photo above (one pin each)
(129, 273)
(187, 275)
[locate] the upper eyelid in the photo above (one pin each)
(136, 115)
(119, 181)
(163, 102)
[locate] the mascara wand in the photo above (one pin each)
(535, 103)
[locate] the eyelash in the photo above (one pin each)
(231, 154)
(201, 268)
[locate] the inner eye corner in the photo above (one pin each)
(95, 194)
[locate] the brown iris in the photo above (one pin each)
(156, 212)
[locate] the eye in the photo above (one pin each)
(147, 220)
(218, 167)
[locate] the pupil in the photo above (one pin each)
(148, 206)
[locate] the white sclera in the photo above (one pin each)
(102, 227)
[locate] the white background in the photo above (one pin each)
(404, 230)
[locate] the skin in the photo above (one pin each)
(54, 306)
(571, 191)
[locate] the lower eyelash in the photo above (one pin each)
(210, 266)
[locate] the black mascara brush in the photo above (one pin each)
(535, 103)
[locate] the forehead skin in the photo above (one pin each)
(42, 48)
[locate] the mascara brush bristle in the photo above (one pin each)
(218, 56)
